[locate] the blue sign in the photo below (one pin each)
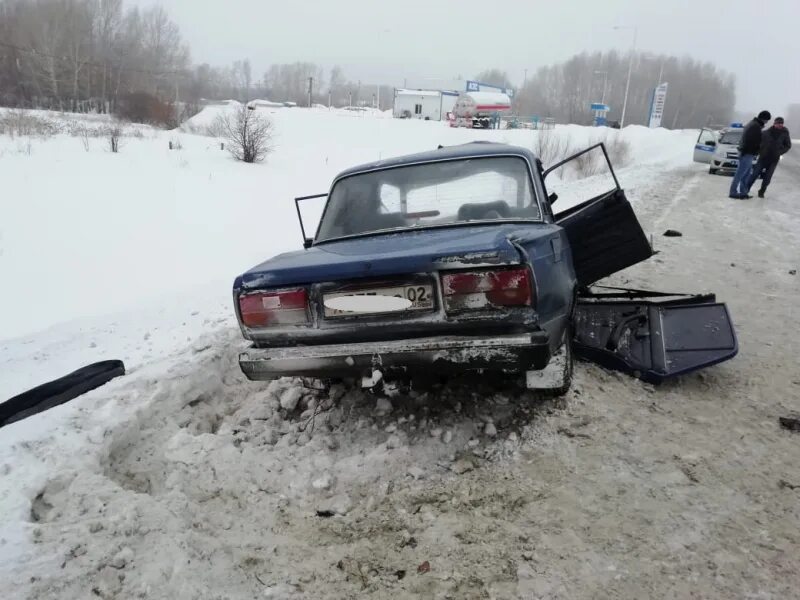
(477, 86)
(598, 106)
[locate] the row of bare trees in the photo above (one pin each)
(287, 82)
(99, 55)
(699, 93)
(86, 54)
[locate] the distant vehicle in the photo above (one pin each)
(479, 110)
(705, 145)
(452, 261)
(720, 149)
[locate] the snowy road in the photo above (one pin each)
(185, 481)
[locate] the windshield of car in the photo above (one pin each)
(429, 195)
(731, 137)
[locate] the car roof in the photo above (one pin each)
(469, 150)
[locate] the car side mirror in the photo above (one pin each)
(552, 198)
(307, 242)
(711, 143)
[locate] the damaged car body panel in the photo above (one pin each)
(652, 335)
(445, 261)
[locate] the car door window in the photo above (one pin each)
(587, 175)
(390, 199)
(706, 135)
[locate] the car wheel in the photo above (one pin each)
(712, 171)
(556, 378)
(564, 388)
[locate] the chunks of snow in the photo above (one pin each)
(383, 406)
(290, 398)
(341, 504)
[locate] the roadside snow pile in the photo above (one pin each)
(46, 123)
(203, 122)
(188, 480)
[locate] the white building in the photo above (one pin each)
(417, 104)
(432, 105)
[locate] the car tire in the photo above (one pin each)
(564, 382)
(712, 171)
(564, 388)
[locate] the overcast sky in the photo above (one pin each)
(389, 40)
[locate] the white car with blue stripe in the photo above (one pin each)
(719, 149)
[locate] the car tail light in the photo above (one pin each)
(475, 290)
(264, 309)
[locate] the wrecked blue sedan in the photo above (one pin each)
(453, 261)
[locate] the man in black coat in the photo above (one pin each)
(748, 149)
(775, 142)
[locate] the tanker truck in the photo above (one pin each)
(478, 109)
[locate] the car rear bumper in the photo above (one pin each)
(514, 352)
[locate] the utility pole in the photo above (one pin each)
(630, 68)
(525, 79)
(378, 106)
(605, 84)
(310, 90)
(329, 98)
(177, 101)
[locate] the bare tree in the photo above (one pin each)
(114, 135)
(699, 93)
(550, 146)
(290, 81)
(249, 135)
(496, 77)
(83, 54)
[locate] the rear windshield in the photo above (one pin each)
(731, 137)
(429, 195)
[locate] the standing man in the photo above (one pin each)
(775, 142)
(748, 148)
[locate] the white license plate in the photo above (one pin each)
(418, 297)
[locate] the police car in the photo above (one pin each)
(720, 149)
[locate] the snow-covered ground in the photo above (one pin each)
(183, 480)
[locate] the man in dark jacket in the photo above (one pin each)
(775, 142)
(748, 149)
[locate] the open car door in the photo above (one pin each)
(653, 335)
(309, 213)
(603, 232)
(705, 145)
